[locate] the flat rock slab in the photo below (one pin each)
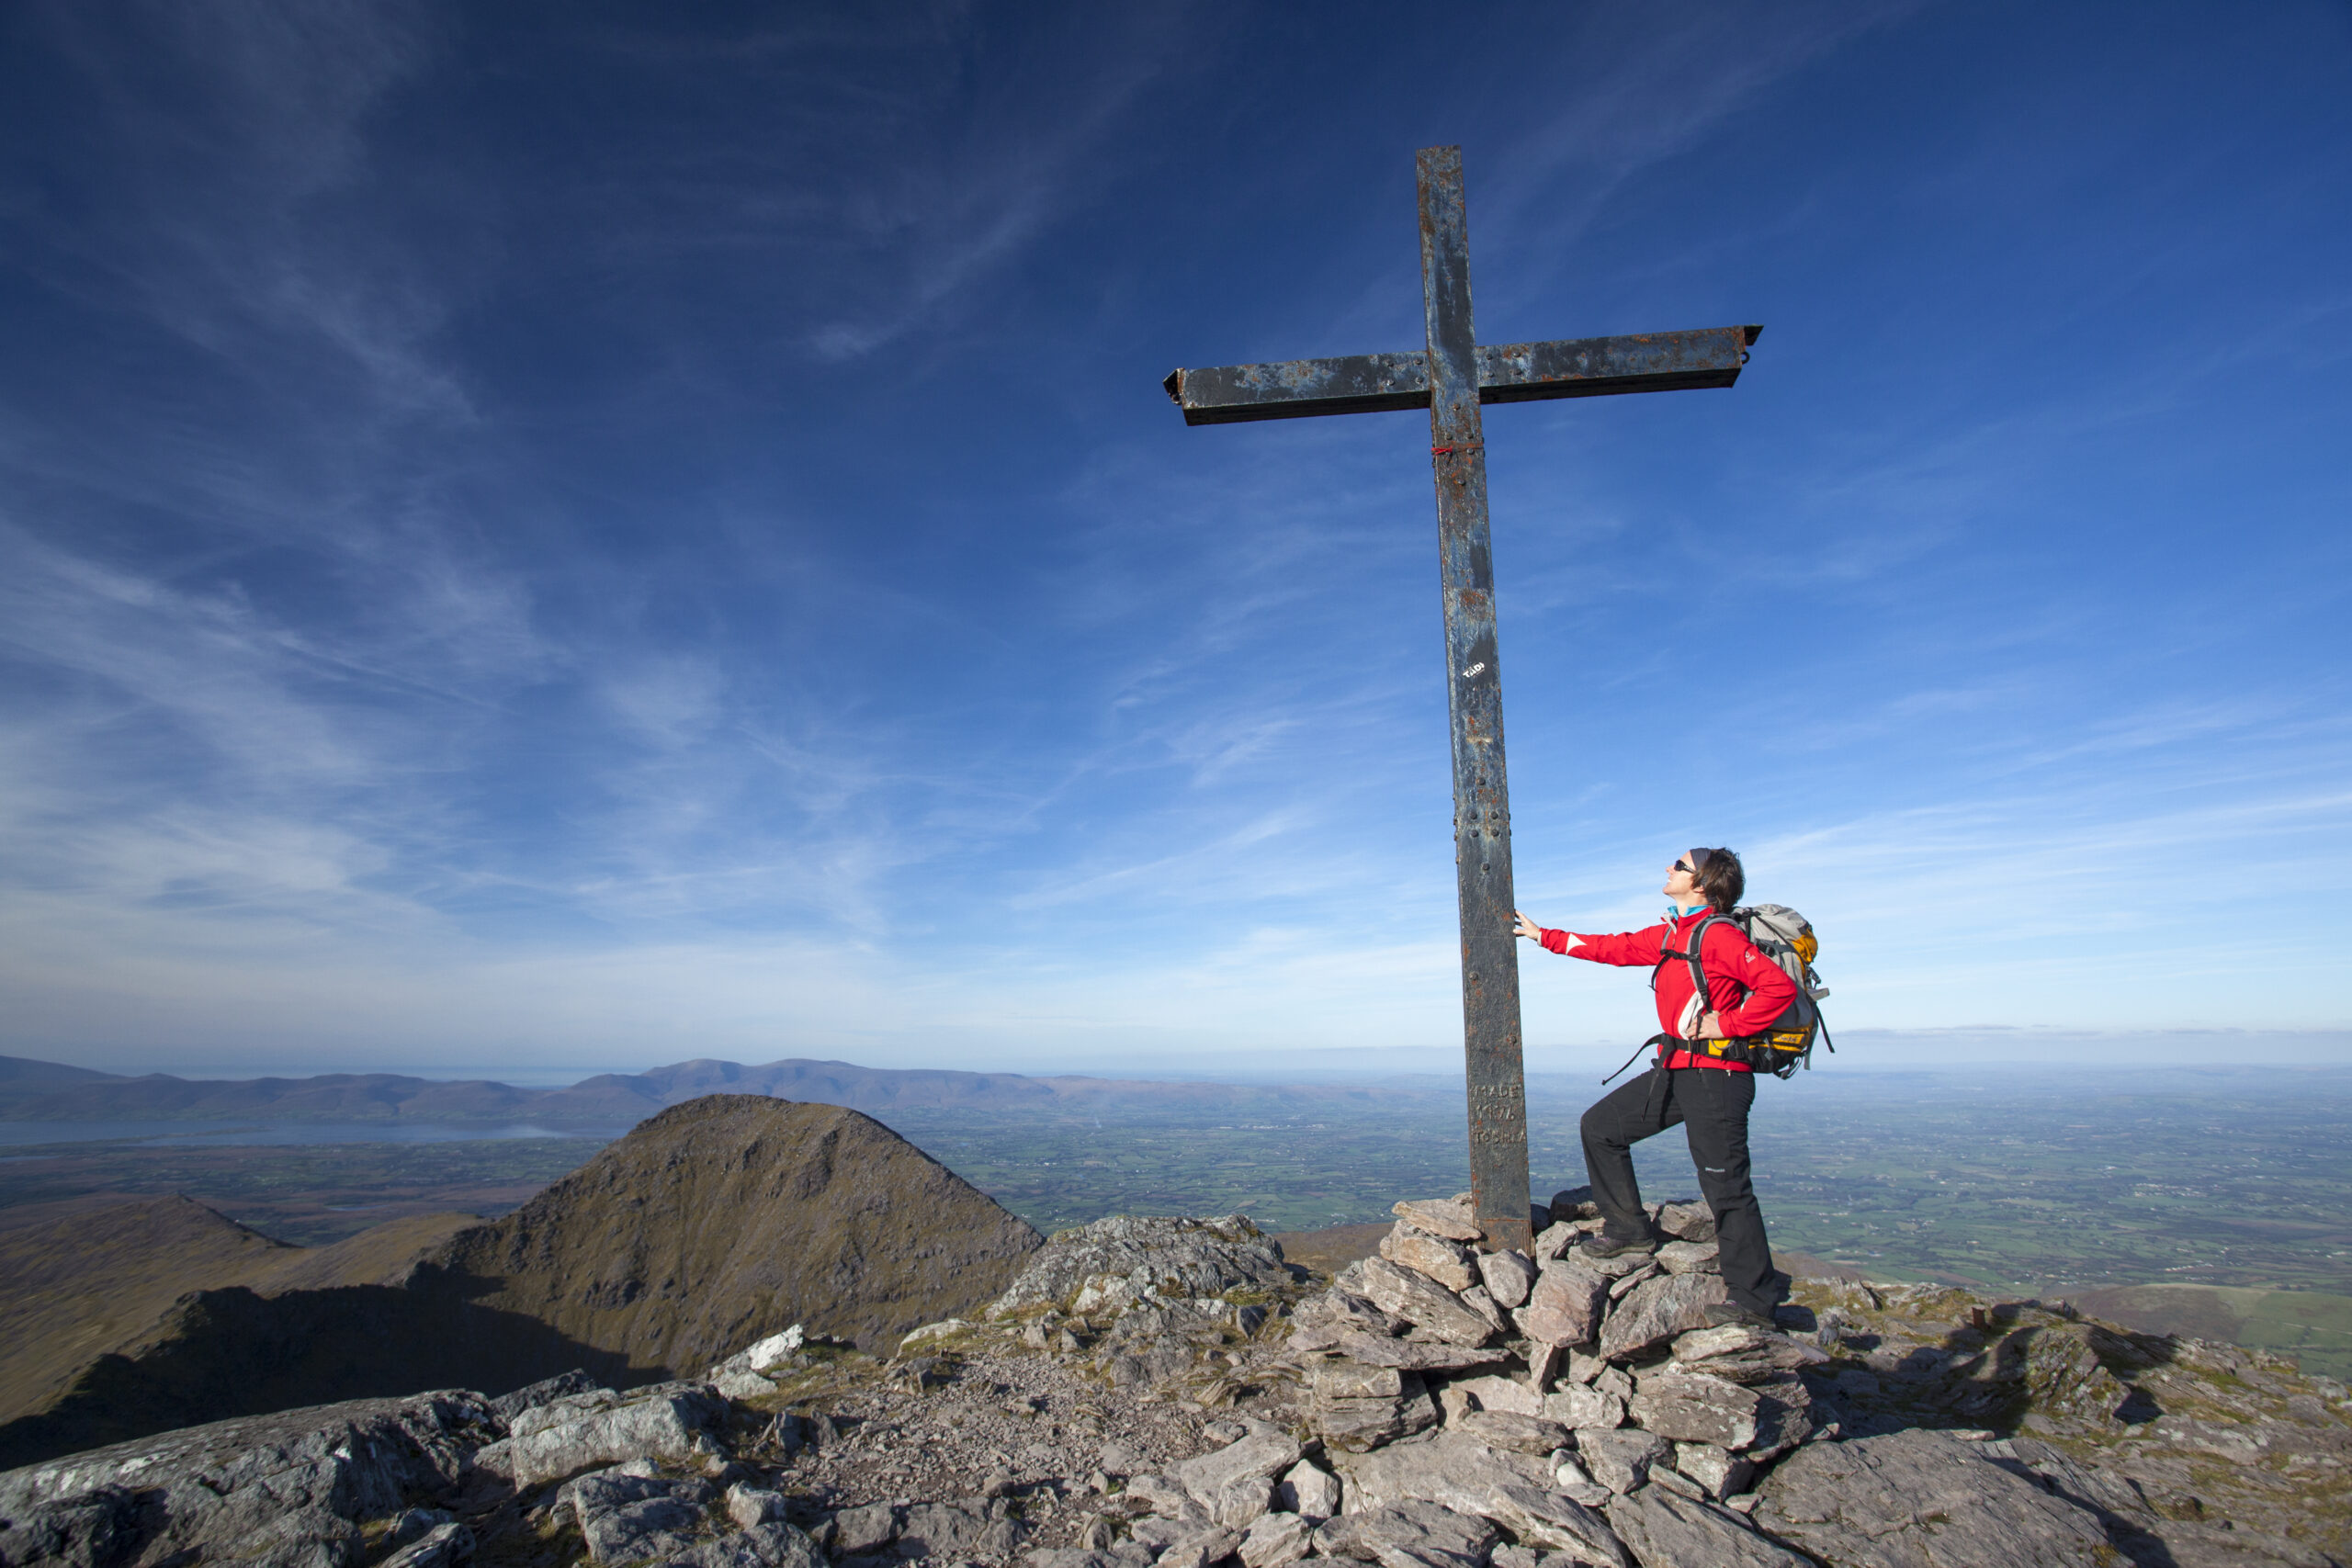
(1419, 1300)
(1259, 1457)
(951, 1531)
(1580, 1406)
(1621, 1460)
(1420, 1355)
(441, 1547)
(1448, 1217)
(283, 1490)
(1343, 1312)
(1440, 1259)
(1664, 1528)
(628, 1518)
(1354, 1380)
(1199, 1549)
(1513, 1433)
(1275, 1539)
(1658, 1310)
(1783, 1415)
(1356, 1426)
(1542, 1518)
(664, 1427)
(1408, 1535)
(1498, 1391)
(1694, 1408)
(507, 1407)
(1565, 1304)
(1553, 1238)
(1689, 1258)
(1917, 1499)
(1434, 1469)
(772, 1545)
(1744, 1354)
(1718, 1473)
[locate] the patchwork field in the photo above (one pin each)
(2219, 1204)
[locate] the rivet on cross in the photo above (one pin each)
(1450, 379)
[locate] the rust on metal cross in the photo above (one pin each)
(1451, 378)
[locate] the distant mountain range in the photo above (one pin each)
(51, 1091)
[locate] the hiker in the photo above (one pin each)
(1688, 1085)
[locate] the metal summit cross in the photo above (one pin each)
(1450, 379)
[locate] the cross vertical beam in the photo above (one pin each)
(1490, 1023)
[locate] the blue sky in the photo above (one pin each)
(539, 538)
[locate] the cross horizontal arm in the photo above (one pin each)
(1507, 372)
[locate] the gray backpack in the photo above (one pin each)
(1786, 938)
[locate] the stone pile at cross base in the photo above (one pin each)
(1172, 1393)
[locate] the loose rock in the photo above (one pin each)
(1420, 1299)
(1276, 1539)
(660, 1422)
(1564, 1306)
(1447, 1217)
(1497, 1393)
(1656, 1311)
(1309, 1491)
(1421, 1356)
(1508, 1276)
(1620, 1460)
(1259, 1457)
(1577, 1406)
(1441, 1260)
(1517, 1433)
(1689, 1258)
(1663, 1528)
(443, 1546)
(1408, 1535)
(1693, 1408)
(1717, 1471)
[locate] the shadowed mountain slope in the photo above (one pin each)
(91, 1283)
(734, 1216)
(714, 1222)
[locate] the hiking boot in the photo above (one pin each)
(1728, 1315)
(1605, 1245)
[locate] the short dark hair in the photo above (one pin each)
(1720, 876)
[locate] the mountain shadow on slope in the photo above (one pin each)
(714, 1224)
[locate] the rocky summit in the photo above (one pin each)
(1175, 1394)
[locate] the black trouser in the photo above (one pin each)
(1713, 1105)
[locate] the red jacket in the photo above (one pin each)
(1746, 987)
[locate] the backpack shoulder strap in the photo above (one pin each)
(1698, 940)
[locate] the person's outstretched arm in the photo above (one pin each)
(1630, 949)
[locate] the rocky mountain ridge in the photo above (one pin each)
(658, 1256)
(1170, 1393)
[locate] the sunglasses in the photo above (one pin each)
(1684, 865)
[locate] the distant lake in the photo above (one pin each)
(218, 1135)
